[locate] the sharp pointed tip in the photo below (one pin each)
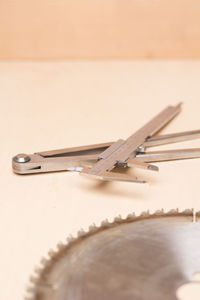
(180, 104)
(142, 181)
(153, 168)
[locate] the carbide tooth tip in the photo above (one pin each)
(38, 270)
(51, 253)
(118, 219)
(33, 279)
(197, 213)
(81, 233)
(173, 211)
(131, 216)
(31, 289)
(70, 238)
(105, 223)
(159, 212)
(145, 213)
(92, 227)
(29, 297)
(60, 245)
(188, 211)
(44, 261)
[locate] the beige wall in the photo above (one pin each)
(99, 28)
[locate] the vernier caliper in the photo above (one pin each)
(100, 159)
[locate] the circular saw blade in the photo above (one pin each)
(142, 258)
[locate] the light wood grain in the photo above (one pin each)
(99, 29)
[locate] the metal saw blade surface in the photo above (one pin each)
(142, 258)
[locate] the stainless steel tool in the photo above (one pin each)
(146, 257)
(100, 159)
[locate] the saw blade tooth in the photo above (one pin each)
(42, 286)
(131, 216)
(93, 227)
(118, 219)
(31, 297)
(197, 215)
(38, 270)
(172, 211)
(60, 245)
(188, 211)
(70, 239)
(105, 223)
(159, 212)
(52, 253)
(30, 293)
(33, 279)
(44, 261)
(81, 233)
(31, 289)
(145, 213)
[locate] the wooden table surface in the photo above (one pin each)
(51, 105)
(99, 29)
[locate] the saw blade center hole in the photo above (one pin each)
(190, 290)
